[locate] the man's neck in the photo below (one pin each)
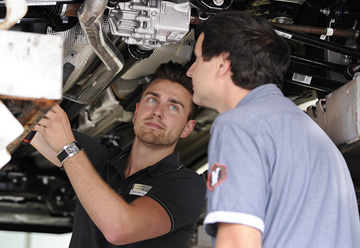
(144, 155)
(234, 94)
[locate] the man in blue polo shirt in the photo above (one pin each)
(275, 178)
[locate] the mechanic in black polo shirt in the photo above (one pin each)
(141, 196)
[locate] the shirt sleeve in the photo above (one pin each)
(96, 152)
(237, 181)
(182, 195)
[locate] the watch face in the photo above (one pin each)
(71, 149)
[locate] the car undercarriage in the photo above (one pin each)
(111, 49)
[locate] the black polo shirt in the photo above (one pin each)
(179, 190)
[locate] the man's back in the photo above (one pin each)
(288, 173)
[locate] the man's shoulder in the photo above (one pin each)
(191, 173)
(181, 179)
(252, 112)
(186, 174)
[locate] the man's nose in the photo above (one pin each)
(189, 71)
(158, 112)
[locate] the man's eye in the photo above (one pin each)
(152, 100)
(174, 108)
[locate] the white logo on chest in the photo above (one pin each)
(139, 189)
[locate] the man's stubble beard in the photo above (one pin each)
(151, 138)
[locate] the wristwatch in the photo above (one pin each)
(68, 151)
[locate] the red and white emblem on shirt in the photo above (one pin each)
(216, 176)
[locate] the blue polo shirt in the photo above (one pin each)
(274, 169)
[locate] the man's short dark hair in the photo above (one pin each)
(176, 73)
(258, 55)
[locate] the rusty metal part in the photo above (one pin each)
(318, 30)
(72, 9)
(32, 111)
(195, 20)
(316, 42)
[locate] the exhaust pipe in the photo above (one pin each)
(90, 17)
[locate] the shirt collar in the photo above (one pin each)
(167, 164)
(260, 92)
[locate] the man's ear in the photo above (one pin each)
(188, 128)
(136, 108)
(224, 65)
